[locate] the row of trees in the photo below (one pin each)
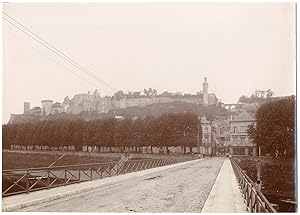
(177, 129)
(133, 95)
(257, 97)
(275, 127)
(150, 93)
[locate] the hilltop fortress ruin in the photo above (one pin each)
(92, 102)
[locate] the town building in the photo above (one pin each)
(221, 135)
(229, 135)
(240, 142)
(206, 136)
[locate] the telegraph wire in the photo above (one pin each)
(42, 44)
(56, 51)
(63, 55)
(77, 64)
(66, 68)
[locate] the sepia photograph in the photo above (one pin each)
(150, 107)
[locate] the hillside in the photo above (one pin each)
(173, 107)
(154, 110)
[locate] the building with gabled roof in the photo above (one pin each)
(229, 135)
(240, 142)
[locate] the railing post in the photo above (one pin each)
(133, 165)
(263, 206)
(255, 200)
(79, 174)
(48, 178)
(27, 181)
(142, 165)
(116, 169)
(137, 167)
(152, 164)
(257, 206)
(65, 180)
(110, 169)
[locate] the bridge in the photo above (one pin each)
(214, 184)
(232, 106)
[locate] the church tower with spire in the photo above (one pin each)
(205, 92)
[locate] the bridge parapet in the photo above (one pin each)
(255, 200)
(18, 181)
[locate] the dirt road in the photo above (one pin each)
(180, 189)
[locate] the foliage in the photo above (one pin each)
(146, 93)
(150, 92)
(171, 129)
(275, 127)
(172, 107)
(257, 97)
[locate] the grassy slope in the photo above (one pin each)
(15, 160)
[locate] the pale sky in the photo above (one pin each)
(167, 46)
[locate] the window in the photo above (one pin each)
(235, 139)
(206, 140)
(235, 129)
(243, 129)
(206, 129)
(243, 139)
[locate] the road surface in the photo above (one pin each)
(180, 189)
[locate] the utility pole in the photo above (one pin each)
(198, 140)
(258, 168)
(212, 133)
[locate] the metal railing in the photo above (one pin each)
(254, 198)
(18, 181)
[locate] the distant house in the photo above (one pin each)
(240, 143)
(206, 135)
(221, 135)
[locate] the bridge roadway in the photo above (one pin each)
(183, 187)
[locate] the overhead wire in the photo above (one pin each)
(68, 69)
(55, 50)
(63, 55)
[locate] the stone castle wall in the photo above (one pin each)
(87, 102)
(82, 103)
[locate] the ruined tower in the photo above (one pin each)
(26, 107)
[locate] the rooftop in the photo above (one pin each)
(204, 120)
(243, 116)
(47, 100)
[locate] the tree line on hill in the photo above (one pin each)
(156, 109)
(275, 128)
(169, 129)
(146, 93)
(258, 96)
